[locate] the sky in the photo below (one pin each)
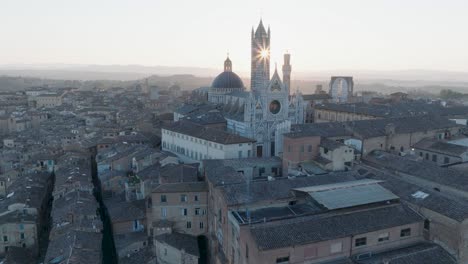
(319, 34)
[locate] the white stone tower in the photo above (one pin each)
(260, 61)
(287, 72)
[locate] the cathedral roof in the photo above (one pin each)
(227, 79)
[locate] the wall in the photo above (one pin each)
(174, 207)
(440, 159)
(324, 115)
(191, 149)
(338, 157)
(167, 254)
(321, 251)
(449, 233)
(13, 232)
(293, 154)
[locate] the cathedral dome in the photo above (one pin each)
(227, 79)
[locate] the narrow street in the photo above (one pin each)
(109, 255)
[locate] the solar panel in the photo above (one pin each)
(352, 196)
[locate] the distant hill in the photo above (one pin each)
(89, 76)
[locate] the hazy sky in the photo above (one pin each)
(320, 34)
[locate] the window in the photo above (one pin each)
(249, 153)
(325, 150)
(420, 154)
(310, 252)
(246, 251)
(282, 260)
(427, 224)
(165, 251)
(5, 238)
(359, 242)
(446, 160)
(274, 171)
(427, 156)
(163, 198)
(202, 225)
(163, 212)
(434, 157)
(336, 247)
(136, 225)
(203, 211)
(21, 227)
(384, 237)
(195, 198)
(183, 198)
(184, 211)
(189, 224)
(22, 236)
(405, 232)
(240, 154)
(197, 211)
(261, 171)
(309, 148)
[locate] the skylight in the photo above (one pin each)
(420, 195)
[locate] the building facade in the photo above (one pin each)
(182, 205)
(192, 143)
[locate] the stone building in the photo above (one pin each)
(182, 205)
(175, 248)
(441, 152)
(192, 143)
(397, 135)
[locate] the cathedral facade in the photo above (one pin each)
(268, 109)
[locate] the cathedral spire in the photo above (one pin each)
(260, 32)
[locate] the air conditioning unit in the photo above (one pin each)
(363, 256)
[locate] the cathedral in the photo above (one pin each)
(268, 109)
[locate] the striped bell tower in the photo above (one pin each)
(260, 61)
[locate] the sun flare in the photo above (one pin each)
(264, 53)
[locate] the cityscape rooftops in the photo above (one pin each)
(328, 226)
(425, 170)
(441, 147)
(444, 203)
(181, 187)
(371, 128)
(422, 253)
(181, 241)
(278, 189)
